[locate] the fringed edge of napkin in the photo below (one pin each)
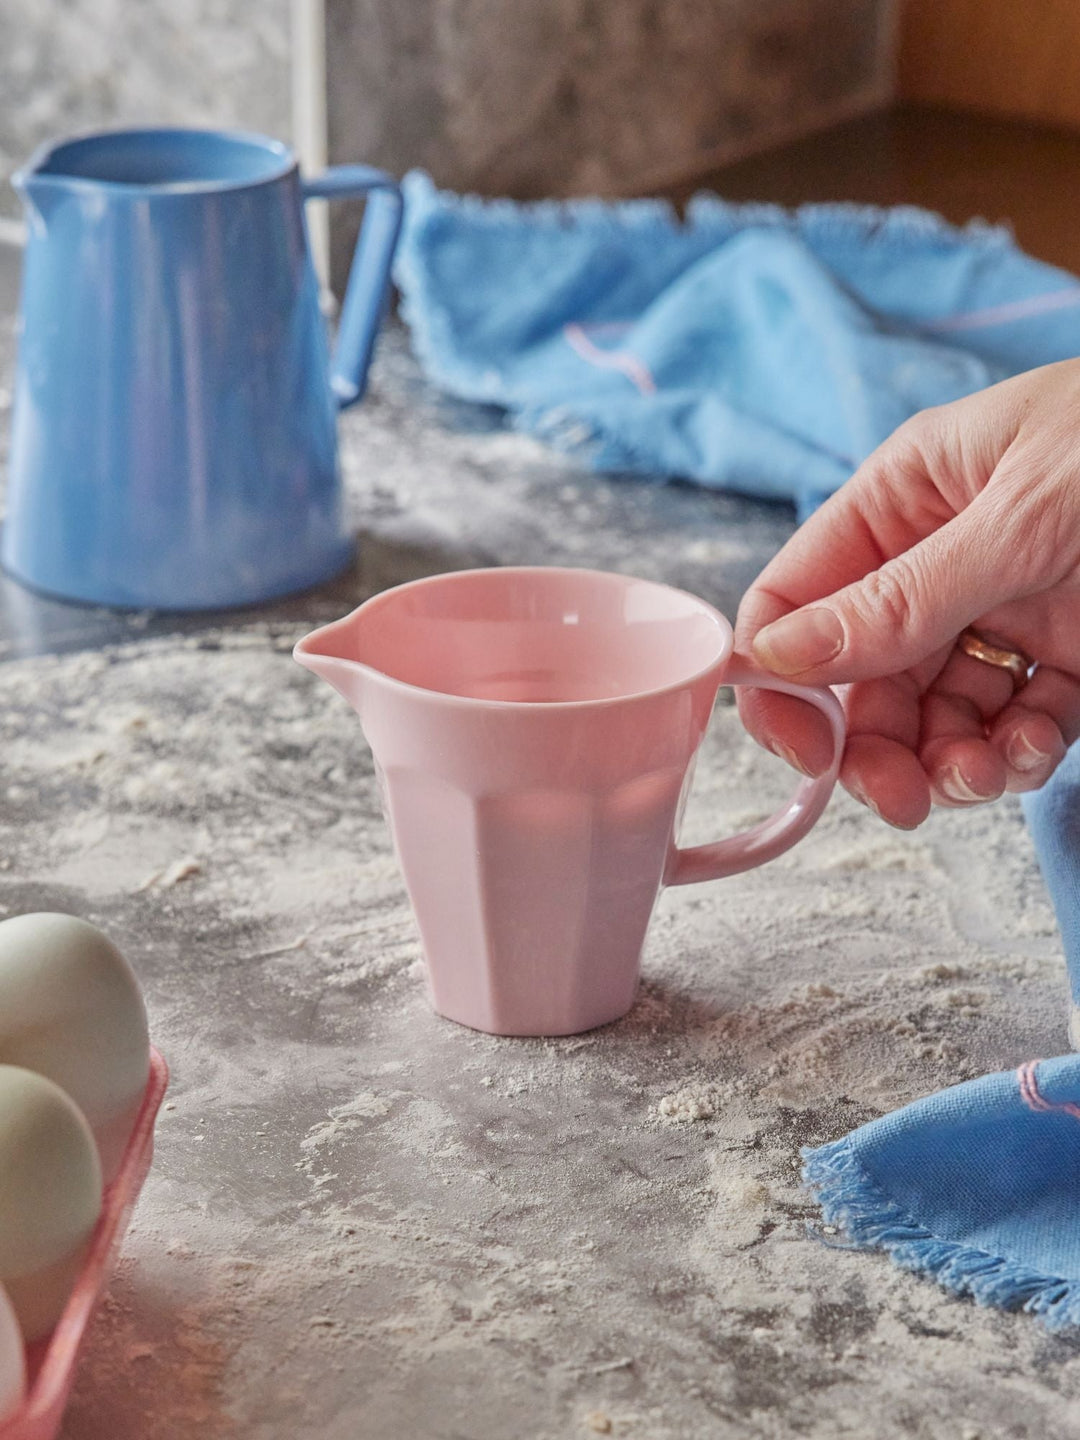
(430, 325)
(868, 1220)
(864, 224)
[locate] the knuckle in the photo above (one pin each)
(918, 429)
(923, 438)
(890, 596)
(1032, 504)
(1045, 522)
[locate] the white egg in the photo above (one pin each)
(71, 1009)
(50, 1196)
(12, 1360)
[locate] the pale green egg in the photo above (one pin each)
(12, 1360)
(71, 1009)
(50, 1196)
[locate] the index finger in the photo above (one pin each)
(887, 506)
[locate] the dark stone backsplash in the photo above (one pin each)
(608, 97)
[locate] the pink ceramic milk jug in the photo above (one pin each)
(533, 733)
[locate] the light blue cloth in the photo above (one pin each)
(1053, 816)
(977, 1186)
(749, 348)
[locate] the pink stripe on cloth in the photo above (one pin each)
(1027, 1079)
(1006, 314)
(634, 369)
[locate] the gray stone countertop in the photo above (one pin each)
(365, 1222)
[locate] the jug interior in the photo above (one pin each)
(167, 158)
(535, 636)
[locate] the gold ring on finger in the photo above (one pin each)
(1015, 662)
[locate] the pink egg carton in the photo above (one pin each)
(51, 1363)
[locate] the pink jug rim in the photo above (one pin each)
(305, 649)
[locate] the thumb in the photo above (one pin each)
(899, 614)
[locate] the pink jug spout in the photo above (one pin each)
(317, 652)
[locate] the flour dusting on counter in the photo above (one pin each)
(361, 1216)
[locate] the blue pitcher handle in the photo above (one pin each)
(369, 275)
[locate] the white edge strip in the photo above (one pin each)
(309, 117)
(12, 232)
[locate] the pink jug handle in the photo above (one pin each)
(785, 828)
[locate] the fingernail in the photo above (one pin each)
(865, 800)
(870, 805)
(784, 752)
(800, 641)
(1024, 756)
(954, 787)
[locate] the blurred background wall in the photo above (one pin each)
(561, 97)
(68, 65)
(609, 97)
(526, 97)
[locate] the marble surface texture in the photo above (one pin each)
(367, 1222)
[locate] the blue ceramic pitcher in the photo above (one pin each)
(174, 439)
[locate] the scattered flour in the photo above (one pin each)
(173, 874)
(342, 1120)
(362, 1217)
(741, 1208)
(692, 1102)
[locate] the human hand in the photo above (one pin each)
(968, 515)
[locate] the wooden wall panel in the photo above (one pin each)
(1006, 57)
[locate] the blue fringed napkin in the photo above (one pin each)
(978, 1186)
(749, 348)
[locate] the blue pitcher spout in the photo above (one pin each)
(34, 196)
(39, 189)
